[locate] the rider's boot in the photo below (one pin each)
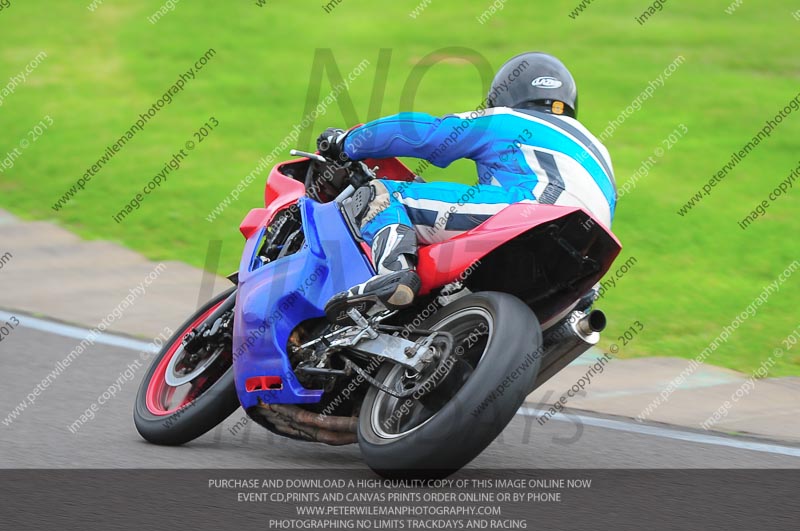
(394, 253)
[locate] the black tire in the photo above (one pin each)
(216, 401)
(477, 405)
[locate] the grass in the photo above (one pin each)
(694, 274)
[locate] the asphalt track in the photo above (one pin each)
(40, 436)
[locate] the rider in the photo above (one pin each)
(527, 145)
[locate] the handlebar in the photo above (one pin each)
(313, 156)
(358, 173)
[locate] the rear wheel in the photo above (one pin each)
(496, 355)
(189, 387)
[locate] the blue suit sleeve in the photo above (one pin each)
(420, 135)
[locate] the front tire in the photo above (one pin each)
(174, 415)
(444, 430)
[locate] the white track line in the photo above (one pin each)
(630, 427)
(668, 433)
(75, 332)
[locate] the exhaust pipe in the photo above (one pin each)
(594, 321)
(567, 340)
(303, 424)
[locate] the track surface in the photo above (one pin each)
(40, 436)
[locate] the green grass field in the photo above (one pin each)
(693, 274)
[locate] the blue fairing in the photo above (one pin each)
(274, 298)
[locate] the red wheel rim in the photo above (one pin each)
(159, 391)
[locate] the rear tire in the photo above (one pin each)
(215, 401)
(479, 400)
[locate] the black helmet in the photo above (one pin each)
(536, 81)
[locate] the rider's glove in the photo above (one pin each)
(331, 144)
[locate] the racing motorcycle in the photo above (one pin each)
(502, 308)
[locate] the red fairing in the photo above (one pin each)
(280, 186)
(252, 221)
(391, 169)
(442, 263)
(281, 191)
(367, 251)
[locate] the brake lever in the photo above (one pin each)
(313, 156)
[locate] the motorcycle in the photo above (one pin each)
(422, 391)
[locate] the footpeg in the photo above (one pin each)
(362, 322)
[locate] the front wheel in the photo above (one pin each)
(496, 354)
(189, 387)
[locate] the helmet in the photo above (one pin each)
(536, 81)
